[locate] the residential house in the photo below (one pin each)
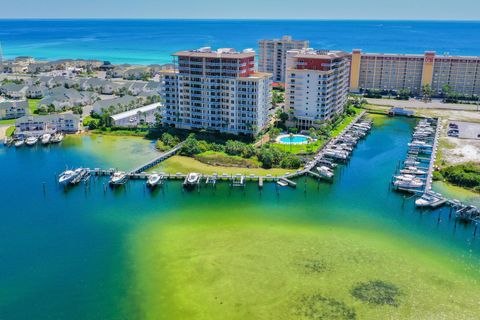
(118, 105)
(36, 91)
(38, 125)
(13, 109)
(14, 91)
(63, 98)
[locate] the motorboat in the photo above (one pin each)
(325, 172)
(19, 143)
(118, 178)
(430, 199)
(8, 141)
(327, 163)
(80, 174)
(153, 180)
(405, 177)
(414, 183)
(31, 141)
(67, 176)
(57, 138)
(412, 170)
(193, 178)
(46, 138)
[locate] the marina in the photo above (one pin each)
(132, 226)
(415, 173)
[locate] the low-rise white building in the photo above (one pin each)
(138, 116)
(38, 125)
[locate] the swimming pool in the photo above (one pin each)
(293, 139)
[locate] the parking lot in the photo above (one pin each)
(464, 130)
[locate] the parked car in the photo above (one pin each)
(453, 125)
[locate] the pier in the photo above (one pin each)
(337, 149)
(157, 160)
(415, 173)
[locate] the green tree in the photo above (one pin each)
(427, 92)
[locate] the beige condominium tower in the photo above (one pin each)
(411, 71)
(273, 53)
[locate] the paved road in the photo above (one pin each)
(418, 104)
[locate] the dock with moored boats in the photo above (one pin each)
(415, 173)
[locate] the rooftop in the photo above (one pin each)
(318, 54)
(207, 52)
(133, 112)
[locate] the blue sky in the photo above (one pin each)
(244, 9)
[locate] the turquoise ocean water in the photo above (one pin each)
(152, 41)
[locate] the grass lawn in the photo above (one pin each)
(300, 148)
(186, 164)
(33, 104)
(10, 131)
(8, 121)
(222, 159)
(345, 122)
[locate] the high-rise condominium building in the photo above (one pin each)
(405, 71)
(316, 85)
(216, 90)
(273, 54)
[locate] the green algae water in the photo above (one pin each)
(348, 250)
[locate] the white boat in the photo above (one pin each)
(67, 176)
(31, 141)
(325, 172)
(8, 141)
(432, 200)
(57, 138)
(19, 143)
(193, 178)
(153, 180)
(119, 177)
(412, 170)
(282, 183)
(46, 138)
(415, 183)
(405, 177)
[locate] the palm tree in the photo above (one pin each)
(427, 92)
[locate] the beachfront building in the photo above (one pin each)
(273, 55)
(139, 116)
(13, 109)
(411, 71)
(316, 86)
(216, 90)
(38, 125)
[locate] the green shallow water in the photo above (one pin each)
(228, 254)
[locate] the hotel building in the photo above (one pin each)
(405, 71)
(316, 85)
(273, 53)
(216, 90)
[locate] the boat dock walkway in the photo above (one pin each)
(157, 160)
(321, 153)
(433, 158)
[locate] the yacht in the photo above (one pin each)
(412, 170)
(118, 178)
(430, 199)
(153, 180)
(19, 143)
(57, 138)
(46, 138)
(31, 141)
(191, 180)
(325, 172)
(80, 174)
(67, 176)
(414, 183)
